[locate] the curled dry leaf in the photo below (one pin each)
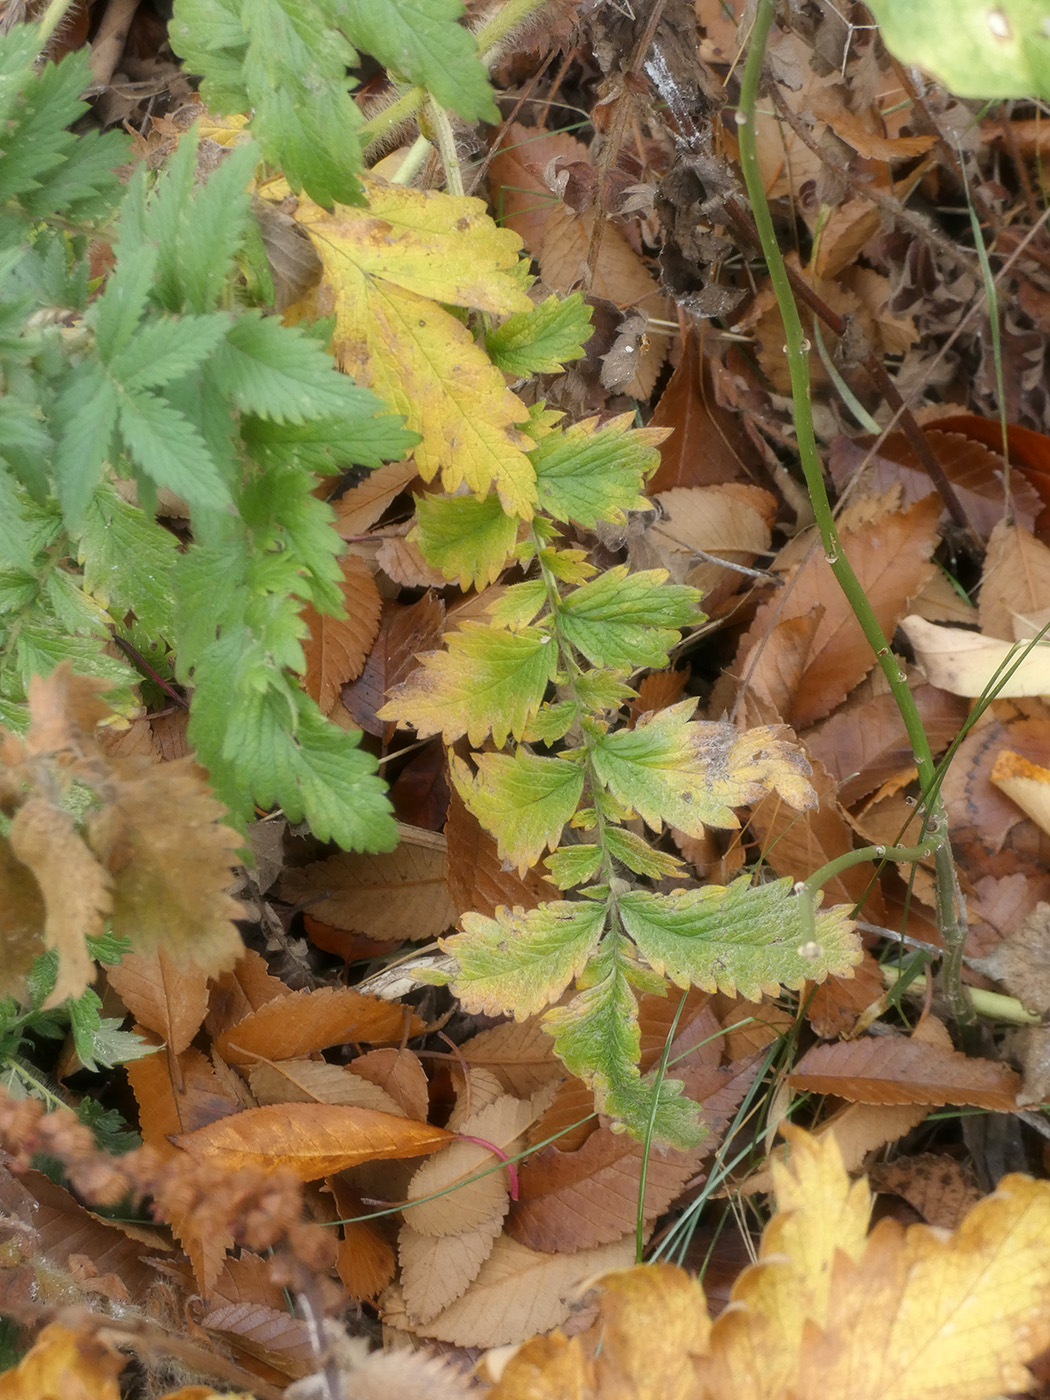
(336, 647)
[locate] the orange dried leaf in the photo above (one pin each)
(310, 1020)
(311, 1139)
(177, 1094)
(170, 1000)
(64, 1364)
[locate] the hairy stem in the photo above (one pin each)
(796, 349)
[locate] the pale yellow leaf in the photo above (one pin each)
(1016, 582)
(966, 663)
(1026, 783)
(315, 1081)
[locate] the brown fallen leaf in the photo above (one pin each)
(168, 999)
(310, 1020)
(337, 647)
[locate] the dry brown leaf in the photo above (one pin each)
(1015, 586)
(336, 648)
(731, 522)
(177, 1094)
(1026, 783)
(895, 1069)
(520, 1053)
(438, 1269)
(400, 1074)
(517, 1292)
(310, 1020)
(891, 557)
(164, 998)
(401, 560)
(75, 891)
(400, 894)
(707, 447)
(465, 1204)
(404, 632)
(237, 994)
(315, 1081)
(363, 504)
(364, 1256)
(269, 1334)
(477, 879)
(864, 743)
(942, 1190)
(311, 1139)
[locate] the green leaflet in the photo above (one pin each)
(976, 49)
(519, 962)
(543, 340)
(597, 1036)
(574, 865)
(488, 681)
(739, 938)
(626, 621)
(469, 540)
(127, 560)
(287, 61)
(424, 41)
(586, 473)
(524, 800)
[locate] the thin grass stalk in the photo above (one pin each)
(796, 349)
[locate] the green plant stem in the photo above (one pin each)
(827, 872)
(491, 36)
(53, 17)
(796, 349)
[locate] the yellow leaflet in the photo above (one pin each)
(386, 269)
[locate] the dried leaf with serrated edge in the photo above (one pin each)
(315, 1081)
(337, 647)
(400, 1074)
(271, 1335)
(894, 1069)
(164, 998)
(464, 1204)
(438, 1269)
(403, 632)
(390, 269)
(364, 1257)
(478, 879)
(311, 1139)
(163, 838)
(399, 894)
(313, 1020)
(517, 1292)
(177, 1094)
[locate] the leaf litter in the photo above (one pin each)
(479, 1195)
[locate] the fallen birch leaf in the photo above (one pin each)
(897, 1070)
(309, 1020)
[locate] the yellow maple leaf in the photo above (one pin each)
(900, 1314)
(390, 270)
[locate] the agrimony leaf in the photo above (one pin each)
(278, 372)
(585, 473)
(170, 450)
(118, 311)
(488, 681)
(84, 418)
(467, 538)
(127, 560)
(166, 348)
(574, 865)
(543, 340)
(741, 939)
(627, 621)
(520, 961)
(424, 41)
(524, 800)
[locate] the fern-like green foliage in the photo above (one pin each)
(546, 682)
(162, 381)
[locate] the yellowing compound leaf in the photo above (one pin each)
(524, 800)
(387, 269)
(311, 1139)
(487, 681)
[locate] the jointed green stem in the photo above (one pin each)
(953, 929)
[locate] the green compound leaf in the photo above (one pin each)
(586, 473)
(488, 681)
(519, 962)
(84, 420)
(574, 865)
(518, 605)
(739, 939)
(543, 340)
(469, 540)
(976, 48)
(628, 621)
(597, 1036)
(423, 41)
(127, 560)
(165, 349)
(639, 856)
(523, 800)
(692, 775)
(170, 450)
